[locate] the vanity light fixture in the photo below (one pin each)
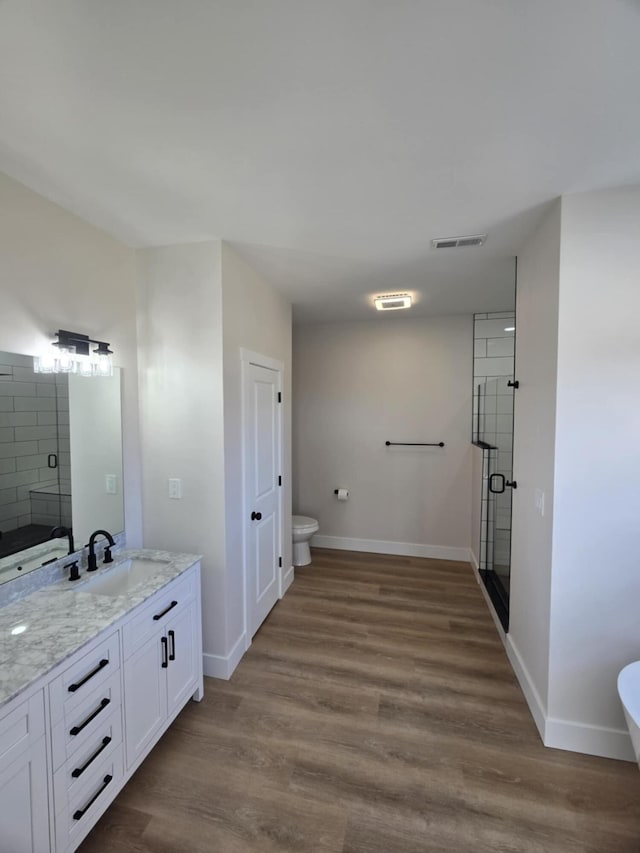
(75, 355)
(392, 302)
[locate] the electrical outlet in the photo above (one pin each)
(111, 484)
(539, 501)
(175, 488)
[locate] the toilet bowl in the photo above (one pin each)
(629, 692)
(302, 528)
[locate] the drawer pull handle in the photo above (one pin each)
(73, 687)
(165, 662)
(77, 729)
(164, 612)
(172, 650)
(77, 815)
(80, 770)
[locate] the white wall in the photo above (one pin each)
(595, 629)
(256, 318)
(57, 271)
(180, 336)
(575, 583)
(359, 384)
(533, 464)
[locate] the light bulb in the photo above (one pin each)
(102, 365)
(66, 361)
(44, 363)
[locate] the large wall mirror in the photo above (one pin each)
(60, 460)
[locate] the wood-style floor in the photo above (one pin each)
(375, 712)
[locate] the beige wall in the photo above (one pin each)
(477, 472)
(359, 384)
(256, 318)
(198, 305)
(57, 271)
(533, 459)
(180, 336)
(96, 450)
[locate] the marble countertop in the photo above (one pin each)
(41, 630)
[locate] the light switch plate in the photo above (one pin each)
(175, 488)
(539, 501)
(111, 484)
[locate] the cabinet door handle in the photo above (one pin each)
(77, 729)
(80, 770)
(164, 612)
(77, 815)
(165, 662)
(172, 650)
(76, 685)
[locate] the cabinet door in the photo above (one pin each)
(24, 810)
(183, 670)
(145, 697)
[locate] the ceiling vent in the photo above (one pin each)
(458, 242)
(392, 302)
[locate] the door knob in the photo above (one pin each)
(256, 516)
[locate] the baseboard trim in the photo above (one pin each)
(474, 560)
(222, 666)
(592, 740)
(287, 580)
(401, 549)
(531, 695)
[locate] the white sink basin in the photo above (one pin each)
(123, 577)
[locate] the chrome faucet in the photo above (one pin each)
(59, 532)
(92, 563)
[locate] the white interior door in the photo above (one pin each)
(262, 473)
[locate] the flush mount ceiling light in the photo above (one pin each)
(74, 354)
(458, 242)
(392, 302)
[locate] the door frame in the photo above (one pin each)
(249, 357)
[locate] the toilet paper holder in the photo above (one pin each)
(341, 494)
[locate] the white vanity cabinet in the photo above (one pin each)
(71, 740)
(24, 796)
(85, 703)
(162, 649)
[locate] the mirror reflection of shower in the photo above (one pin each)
(60, 461)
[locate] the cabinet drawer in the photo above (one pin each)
(81, 721)
(77, 813)
(100, 747)
(83, 676)
(154, 615)
(20, 728)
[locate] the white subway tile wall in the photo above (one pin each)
(31, 407)
(493, 368)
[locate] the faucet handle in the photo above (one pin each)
(74, 573)
(107, 555)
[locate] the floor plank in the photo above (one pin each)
(376, 712)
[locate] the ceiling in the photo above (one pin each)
(328, 140)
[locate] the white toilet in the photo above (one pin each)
(629, 692)
(303, 529)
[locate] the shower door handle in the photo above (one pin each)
(504, 483)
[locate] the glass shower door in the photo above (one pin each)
(497, 407)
